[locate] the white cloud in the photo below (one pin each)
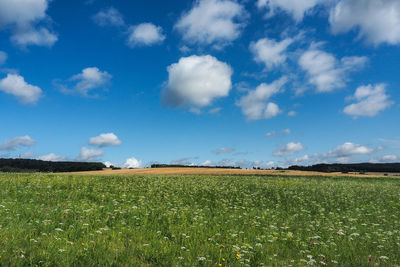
(87, 80)
(212, 21)
(105, 139)
(224, 150)
(389, 158)
(196, 81)
(51, 157)
(15, 85)
(22, 16)
(110, 16)
(348, 149)
(39, 37)
(289, 149)
(145, 34)
(16, 142)
(325, 71)
(378, 21)
(370, 101)
(3, 57)
(292, 113)
(207, 163)
(269, 52)
(255, 106)
(270, 134)
(87, 154)
(133, 163)
(295, 8)
(108, 164)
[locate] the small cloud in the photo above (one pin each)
(217, 22)
(145, 34)
(215, 110)
(105, 139)
(3, 57)
(270, 134)
(289, 149)
(292, 113)
(370, 101)
(16, 85)
(86, 81)
(269, 52)
(325, 72)
(389, 158)
(87, 154)
(51, 157)
(17, 142)
(109, 17)
(133, 163)
(255, 104)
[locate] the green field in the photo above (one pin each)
(68, 220)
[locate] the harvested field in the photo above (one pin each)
(216, 171)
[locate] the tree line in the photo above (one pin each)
(32, 165)
(191, 166)
(354, 167)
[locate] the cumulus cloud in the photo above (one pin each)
(39, 37)
(289, 149)
(224, 150)
(133, 163)
(325, 71)
(269, 52)
(51, 157)
(109, 17)
(17, 142)
(389, 158)
(348, 149)
(87, 80)
(378, 21)
(16, 85)
(296, 8)
(212, 21)
(370, 101)
(145, 34)
(87, 154)
(108, 164)
(196, 81)
(105, 139)
(3, 57)
(255, 104)
(22, 17)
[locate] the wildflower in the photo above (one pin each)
(223, 259)
(222, 246)
(290, 235)
(237, 256)
(202, 259)
(219, 264)
(83, 244)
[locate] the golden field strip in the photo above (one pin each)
(217, 171)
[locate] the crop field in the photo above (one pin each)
(198, 220)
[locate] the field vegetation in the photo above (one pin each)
(192, 220)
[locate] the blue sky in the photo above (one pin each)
(214, 82)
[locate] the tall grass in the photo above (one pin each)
(67, 220)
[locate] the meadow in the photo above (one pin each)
(198, 220)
